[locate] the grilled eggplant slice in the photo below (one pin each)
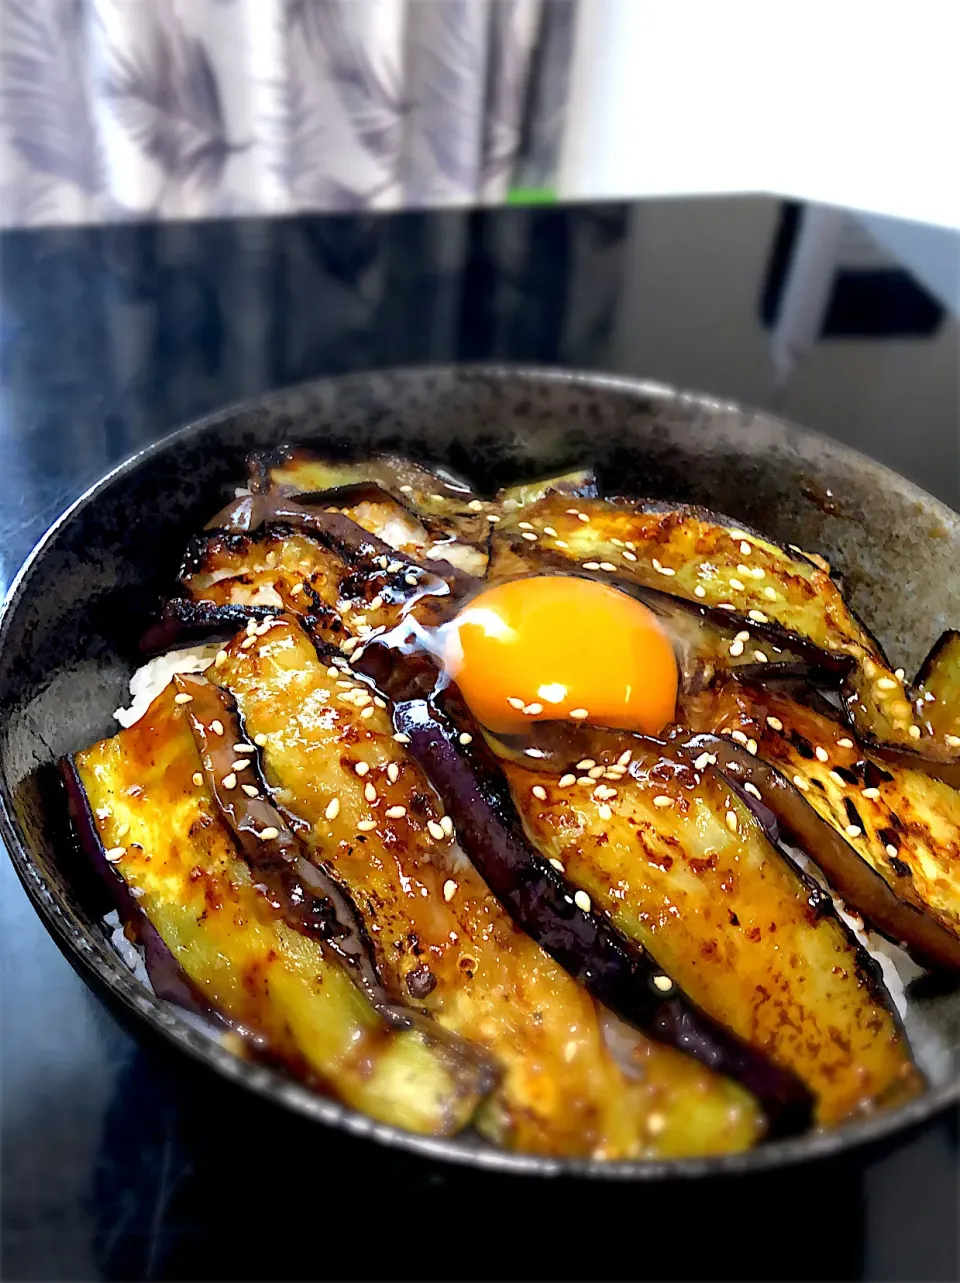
(938, 688)
(369, 815)
(904, 823)
(777, 594)
(670, 852)
(165, 834)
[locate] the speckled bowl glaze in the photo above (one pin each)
(69, 628)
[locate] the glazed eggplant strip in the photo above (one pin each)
(903, 823)
(938, 688)
(368, 814)
(164, 834)
(774, 593)
(681, 866)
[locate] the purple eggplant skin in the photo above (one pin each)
(167, 977)
(183, 620)
(617, 971)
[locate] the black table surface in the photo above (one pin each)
(118, 1162)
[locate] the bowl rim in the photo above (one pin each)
(101, 967)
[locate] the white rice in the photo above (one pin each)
(151, 678)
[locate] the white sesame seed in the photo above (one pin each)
(296, 590)
(870, 668)
(333, 808)
(736, 648)
(953, 740)
(393, 772)
(725, 605)
(244, 748)
(886, 684)
(514, 702)
(566, 780)
(252, 624)
(751, 746)
(739, 736)
(914, 732)
(752, 790)
(410, 579)
(596, 772)
(586, 763)
(527, 534)
(362, 699)
(699, 591)
(845, 742)
(240, 764)
(662, 800)
(221, 659)
(361, 768)
(737, 585)
(837, 778)
(582, 901)
(549, 530)
(524, 525)
(631, 545)
(744, 570)
(376, 603)
(435, 831)
(704, 760)
(366, 825)
(465, 737)
(395, 812)
(801, 783)
(775, 723)
(197, 778)
(628, 556)
(539, 792)
(607, 565)
(822, 754)
(624, 758)
(732, 821)
(531, 710)
(770, 593)
(217, 727)
(447, 825)
(229, 781)
(582, 516)
(853, 831)
(663, 983)
(247, 643)
(557, 865)
(579, 714)
(115, 854)
(603, 810)
(449, 889)
(250, 790)
(369, 792)
(406, 489)
(260, 740)
(871, 793)
(891, 850)
(401, 738)
(268, 834)
(591, 565)
(746, 548)
(562, 543)
(183, 698)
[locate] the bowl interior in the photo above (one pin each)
(69, 631)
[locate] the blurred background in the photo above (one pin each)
(201, 200)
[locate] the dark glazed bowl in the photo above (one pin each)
(69, 628)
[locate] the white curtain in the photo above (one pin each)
(144, 109)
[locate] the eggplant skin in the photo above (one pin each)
(444, 940)
(178, 861)
(678, 862)
(903, 823)
(779, 594)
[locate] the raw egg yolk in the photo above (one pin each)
(558, 647)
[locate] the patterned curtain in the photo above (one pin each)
(113, 110)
